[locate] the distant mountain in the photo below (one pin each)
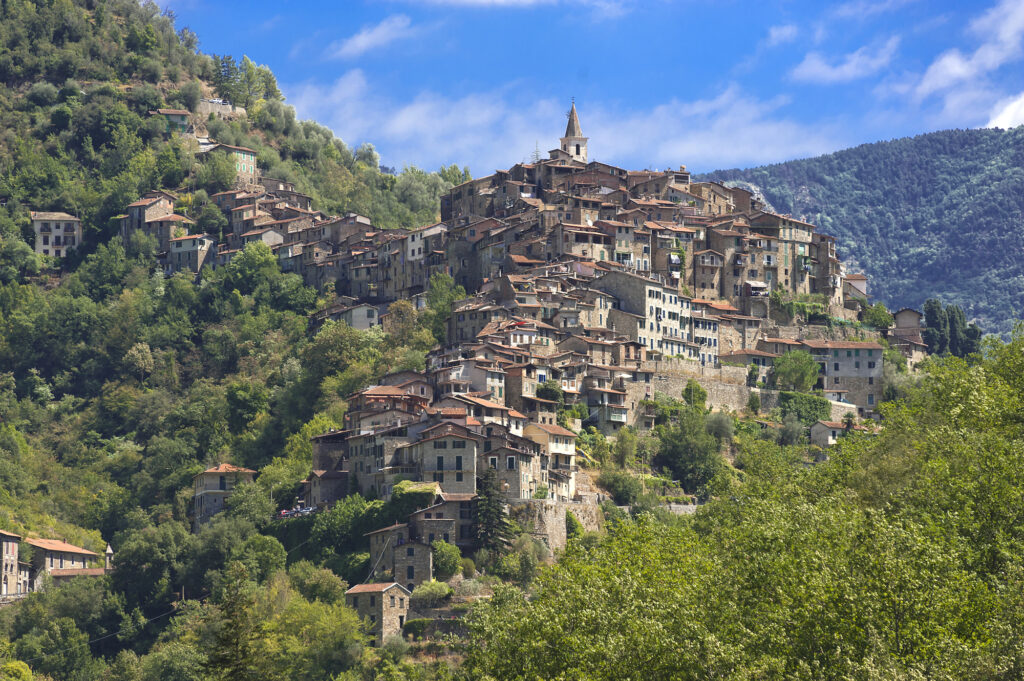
(937, 215)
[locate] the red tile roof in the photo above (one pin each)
(228, 468)
(57, 545)
(374, 588)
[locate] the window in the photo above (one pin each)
(409, 552)
(373, 601)
(493, 462)
(392, 601)
(458, 444)
(835, 366)
(410, 572)
(871, 365)
(871, 380)
(458, 477)
(835, 381)
(430, 538)
(871, 399)
(440, 444)
(458, 462)
(355, 601)
(856, 365)
(510, 462)
(440, 463)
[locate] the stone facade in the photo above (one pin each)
(384, 607)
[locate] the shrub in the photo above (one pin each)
(720, 425)
(396, 648)
(416, 628)
(42, 94)
(623, 487)
(754, 403)
(447, 559)
(694, 394)
(541, 493)
(468, 568)
(573, 527)
(430, 594)
(807, 408)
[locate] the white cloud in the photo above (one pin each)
(859, 64)
(779, 35)
(1001, 29)
(1009, 113)
(393, 28)
(602, 9)
(867, 8)
(495, 129)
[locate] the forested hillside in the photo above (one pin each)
(937, 215)
(76, 83)
(900, 556)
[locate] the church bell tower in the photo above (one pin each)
(574, 143)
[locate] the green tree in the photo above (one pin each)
(796, 370)
(694, 394)
(233, 654)
(936, 333)
(878, 316)
(447, 559)
(493, 531)
(690, 452)
(441, 293)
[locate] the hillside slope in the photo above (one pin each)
(940, 214)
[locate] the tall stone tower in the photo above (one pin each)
(574, 143)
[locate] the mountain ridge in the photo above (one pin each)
(913, 212)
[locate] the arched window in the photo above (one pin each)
(577, 150)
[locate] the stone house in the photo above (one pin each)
(852, 366)
(56, 233)
(212, 487)
(401, 552)
(247, 173)
(189, 253)
(15, 578)
(63, 561)
(151, 206)
(559, 445)
(827, 433)
(384, 606)
(175, 120)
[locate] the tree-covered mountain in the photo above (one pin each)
(77, 83)
(937, 215)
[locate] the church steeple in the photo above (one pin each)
(574, 143)
(572, 129)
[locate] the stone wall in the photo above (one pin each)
(205, 107)
(546, 518)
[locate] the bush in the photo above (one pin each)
(42, 94)
(468, 568)
(807, 408)
(694, 394)
(541, 493)
(430, 594)
(754, 403)
(447, 559)
(623, 487)
(396, 648)
(416, 628)
(573, 527)
(720, 425)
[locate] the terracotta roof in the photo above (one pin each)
(553, 429)
(46, 215)
(374, 588)
(57, 545)
(855, 277)
(386, 529)
(228, 468)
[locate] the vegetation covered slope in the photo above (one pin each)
(77, 80)
(937, 215)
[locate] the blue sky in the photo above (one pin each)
(658, 83)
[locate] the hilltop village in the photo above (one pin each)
(591, 291)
